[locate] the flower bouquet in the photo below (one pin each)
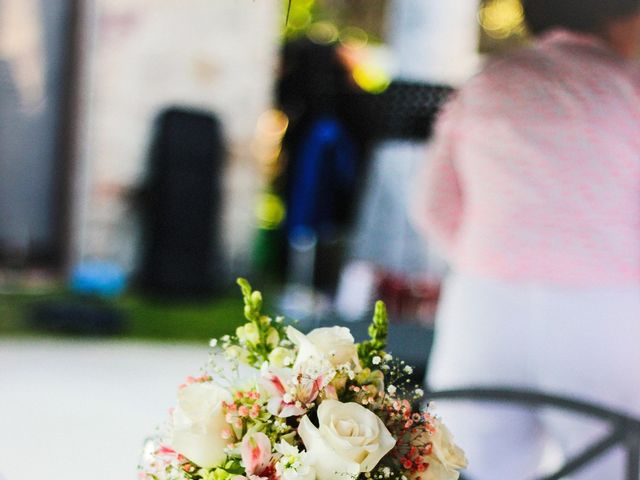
(275, 404)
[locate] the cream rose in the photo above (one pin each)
(198, 421)
(333, 343)
(349, 440)
(446, 457)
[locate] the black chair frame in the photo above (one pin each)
(625, 430)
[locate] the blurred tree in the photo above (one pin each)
(368, 15)
(502, 21)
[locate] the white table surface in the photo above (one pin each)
(79, 410)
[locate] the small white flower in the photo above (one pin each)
(391, 389)
(213, 343)
(376, 360)
(386, 471)
(293, 464)
(226, 338)
(419, 392)
(388, 357)
(408, 370)
(344, 368)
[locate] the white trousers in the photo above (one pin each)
(580, 342)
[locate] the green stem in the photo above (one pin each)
(286, 21)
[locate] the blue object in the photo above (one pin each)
(98, 277)
(325, 167)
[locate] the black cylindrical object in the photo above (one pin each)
(181, 206)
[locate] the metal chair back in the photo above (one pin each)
(625, 430)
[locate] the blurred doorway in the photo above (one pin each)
(36, 84)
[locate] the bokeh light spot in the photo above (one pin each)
(270, 211)
(323, 33)
(354, 37)
(502, 18)
(371, 78)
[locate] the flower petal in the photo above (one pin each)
(386, 442)
(328, 463)
(255, 452)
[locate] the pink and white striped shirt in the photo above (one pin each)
(535, 168)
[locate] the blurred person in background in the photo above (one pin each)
(533, 193)
(325, 145)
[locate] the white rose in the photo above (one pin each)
(198, 421)
(350, 440)
(446, 457)
(334, 343)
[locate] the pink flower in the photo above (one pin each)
(256, 454)
(281, 403)
(330, 392)
(308, 388)
(191, 380)
(165, 450)
(292, 392)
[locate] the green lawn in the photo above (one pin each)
(190, 321)
(148, 319)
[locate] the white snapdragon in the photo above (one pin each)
(281, 357)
